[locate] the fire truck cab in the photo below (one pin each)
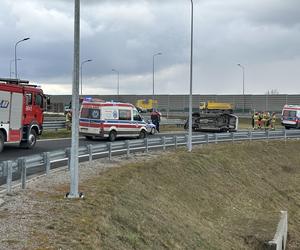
(21, 112)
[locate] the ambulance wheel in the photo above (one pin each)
(142, 134)
(112, 135)
(1, 141)
(89, 137)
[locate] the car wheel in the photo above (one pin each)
(1, 141)
(142, 134)
(286, 127)
(152, 132)
(112, 135)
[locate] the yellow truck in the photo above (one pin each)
(214, 107)
(146, 105)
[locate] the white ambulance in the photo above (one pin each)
(290, 116)
(110, 120)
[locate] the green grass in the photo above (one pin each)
(225, 196)
(51, 134)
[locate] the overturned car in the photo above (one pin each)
(213, 122)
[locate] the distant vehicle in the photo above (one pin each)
(290, 116)
(21, 112)
(214, 117)
(110, 120)
(146, 105)
(215, 107)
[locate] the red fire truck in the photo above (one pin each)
(21, 112)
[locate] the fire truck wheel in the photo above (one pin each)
(112, 135)
(142, 134)
(1, 141)
(31, 140)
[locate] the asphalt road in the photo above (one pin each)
(12, 151)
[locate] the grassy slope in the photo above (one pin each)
(212, 198)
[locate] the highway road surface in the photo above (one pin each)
(12, 151)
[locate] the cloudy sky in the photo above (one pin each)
(264, 36)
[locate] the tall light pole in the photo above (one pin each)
(118, 83)
(74, 172)
(190, 145)
(11, 61)
(16, 64)
(157, 54)
(89, 60)
(243, 68)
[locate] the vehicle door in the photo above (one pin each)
(94, 117)
(38, 108)
(125, 125)
(27, 110)
(137, 120)
(84, 120)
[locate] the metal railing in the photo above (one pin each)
(18, 169)
(59, 124)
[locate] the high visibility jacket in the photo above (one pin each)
(273, 118)
(255, 117)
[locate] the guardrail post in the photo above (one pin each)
(90, 152)
(175, 141)
(146, 144)
(250, 135)
(23, 173)
(207, 138)
(109, 150)
(216, 138)
(9, 176)
(128, 148)
(232, 136)
(46, 160)
(164, 142)
(267, 135)
(285, 136)
(187, 140)
(68, 154)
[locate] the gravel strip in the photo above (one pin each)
(22, 208)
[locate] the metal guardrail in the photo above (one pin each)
(18, 169)
(59, 124)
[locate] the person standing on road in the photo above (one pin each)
(273, 121)
(69, 120)
(255, 121)
(155, 118)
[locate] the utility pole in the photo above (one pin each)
(190, 145)
(75, 107)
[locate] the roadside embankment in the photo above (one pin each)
(225, 196)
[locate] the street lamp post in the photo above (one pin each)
(157, 54)
(89, 60)
(16, 64)
(190, 145)
(118, 83)
(243, 68)
(74, 171)
(11, 61)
